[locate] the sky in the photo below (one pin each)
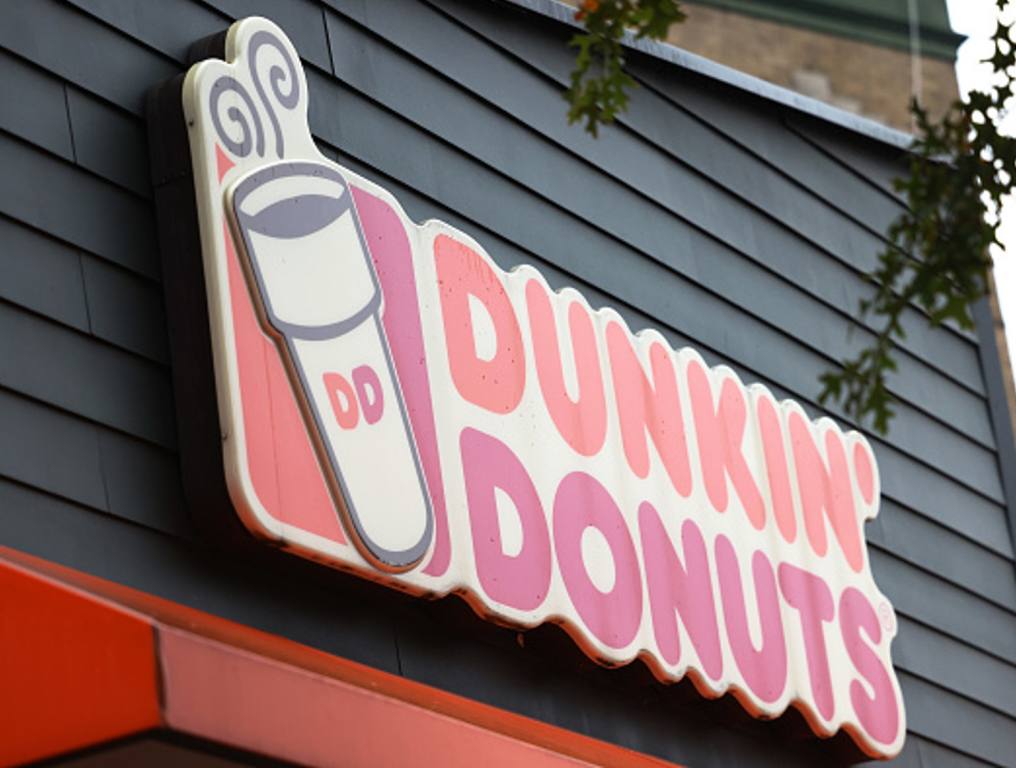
(976, 19)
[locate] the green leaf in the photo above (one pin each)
(599, 86)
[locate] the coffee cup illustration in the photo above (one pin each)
(318, 295)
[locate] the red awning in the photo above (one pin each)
(85, 662)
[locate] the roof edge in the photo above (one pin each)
(560, 12)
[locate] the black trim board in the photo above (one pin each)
(1002, 419)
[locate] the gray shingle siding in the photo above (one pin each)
(727, 221)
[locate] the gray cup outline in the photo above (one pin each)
(290, 219)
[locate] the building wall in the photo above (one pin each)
(722, 220)
(884, 22)
(865, 78)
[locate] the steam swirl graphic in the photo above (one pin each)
(239, 126)
(278, 78)
(247, 120)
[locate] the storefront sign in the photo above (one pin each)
(394, 404)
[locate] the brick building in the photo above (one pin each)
(865, 56)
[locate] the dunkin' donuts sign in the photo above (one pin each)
(395, 405)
